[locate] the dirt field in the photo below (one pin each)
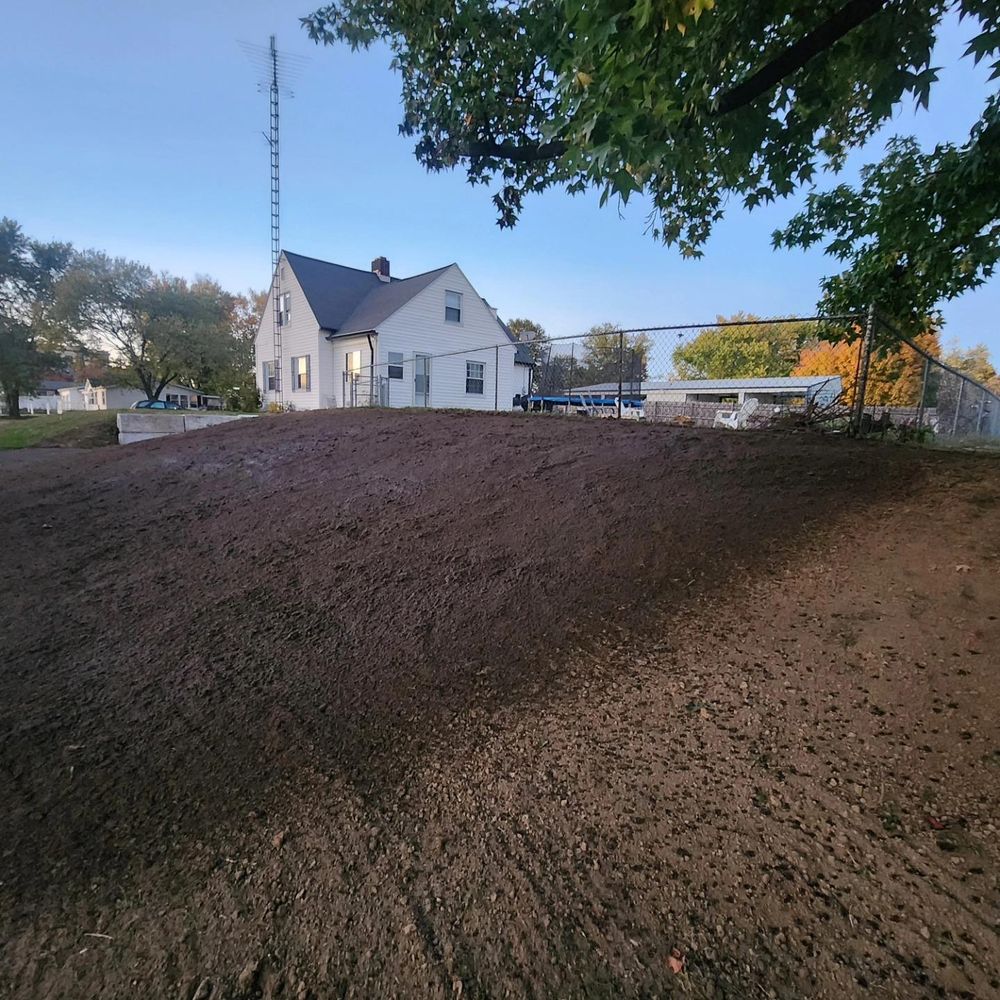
(398, 705)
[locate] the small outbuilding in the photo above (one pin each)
(96, 395)
(784, 390)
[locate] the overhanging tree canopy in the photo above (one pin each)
(687, 101)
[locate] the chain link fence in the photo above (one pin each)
(849, 373)
(942, 401)
(742, 373)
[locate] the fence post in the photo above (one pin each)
(982, 411)
(621, 362)
(569, 391)
(958, 406)
(861, 386)
(496, 381)
(923, 393)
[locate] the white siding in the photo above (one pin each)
(522, 379)
(665, 395)
(334, 363)
(300, 337)
(71, 398)
(114, 397)
(419, 327)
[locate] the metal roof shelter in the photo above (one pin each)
(794, 385)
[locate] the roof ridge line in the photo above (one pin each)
(329, 263)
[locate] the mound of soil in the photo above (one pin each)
(387, 704)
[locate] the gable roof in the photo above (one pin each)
(347, 300)
(383, 301)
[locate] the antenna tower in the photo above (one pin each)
(279, 374)
(277, 71)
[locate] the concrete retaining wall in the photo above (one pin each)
(139, 425)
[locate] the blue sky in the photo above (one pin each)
(138, 131)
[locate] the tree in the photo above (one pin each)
(29, 334)
(161, 327)
(895, 375)
(559, 370)
(920, 228)
(752, 351)
(686, 101)
(236, 381)
(532, 335)
(527, 331)
(599, 360)
(975, 362)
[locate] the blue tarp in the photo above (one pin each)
(584, 400)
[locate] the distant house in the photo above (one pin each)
(351, 337)
(97, 395)
(45, 399)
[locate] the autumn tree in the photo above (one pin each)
(750, 351)
(160, 327)
(696, 104)
(30, 335)
(895, 375)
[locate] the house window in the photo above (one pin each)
(182, 401)
(270, 382)
(474, 377)
(286, 307)
(395, 364)
(300, 373)
(453, 307)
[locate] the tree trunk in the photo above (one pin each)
(12, 396)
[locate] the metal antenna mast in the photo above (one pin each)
(279, 373)
(277, 71)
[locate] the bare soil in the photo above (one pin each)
(439, 705)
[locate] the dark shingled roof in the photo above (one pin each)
(522, 352)
(383, 301)
(346, 300)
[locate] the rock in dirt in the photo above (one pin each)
(248, 977)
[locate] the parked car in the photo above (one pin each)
(154, 404)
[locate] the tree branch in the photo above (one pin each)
(792, 59)
(515, 152)
(796, 56)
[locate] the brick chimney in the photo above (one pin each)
(380, 265)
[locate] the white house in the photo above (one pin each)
(351, 337)
(45, 399)
(95, 395)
